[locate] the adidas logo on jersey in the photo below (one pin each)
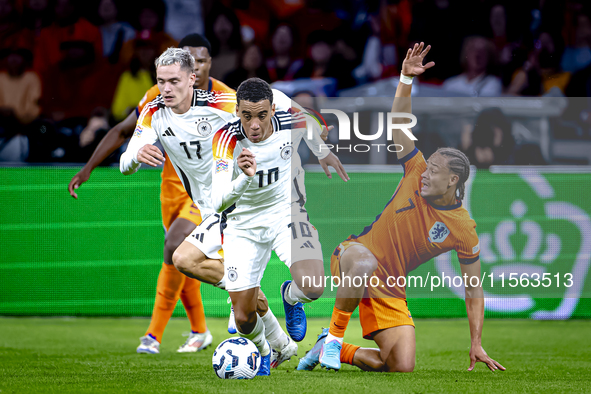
(168, 133)
(307, 245)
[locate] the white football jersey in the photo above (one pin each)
(261, 201)
(186, 139)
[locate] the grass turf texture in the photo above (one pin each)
(98, 355)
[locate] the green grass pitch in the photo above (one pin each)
(97, 355)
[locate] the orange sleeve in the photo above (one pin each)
(150, 95)
(468, 245)
(225, 101)
(220, 86)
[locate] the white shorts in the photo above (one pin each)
(245, 259)
(207, 237)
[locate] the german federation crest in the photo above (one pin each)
(286, 151)
(204, 128)
(438, 233)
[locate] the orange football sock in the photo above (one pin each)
(339, 322)
(347, 353)
(191, 298)
(168, 291)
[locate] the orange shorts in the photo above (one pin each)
(376, 310)
(179, 208)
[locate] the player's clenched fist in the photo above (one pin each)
(246, 162)
(151, 155)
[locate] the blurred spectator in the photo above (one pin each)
(577, 57)
(77, 84)
(223, 31)
(134, 82)
(251, 65)
(321, 63)
(541, 72)
(440, 24)
(282, 66)
(12, 34)
(20, 91)
(97, 127)
(113, 32)
(36, 16)
(477, 58)
(183, 17)
(68, 26)
(378, 57)
(491, 142)
(150, 25)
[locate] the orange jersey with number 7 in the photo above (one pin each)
(410, 231)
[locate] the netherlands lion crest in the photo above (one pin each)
(438, 232)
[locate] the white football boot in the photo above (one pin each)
(196, 342)
(285, 354)
(148, 345)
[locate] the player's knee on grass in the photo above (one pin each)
(398, 364)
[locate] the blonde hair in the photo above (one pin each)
(178, 56)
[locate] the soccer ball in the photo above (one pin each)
(236, 358)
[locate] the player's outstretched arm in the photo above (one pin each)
(475, 310)
(412, 66)
(109, 144)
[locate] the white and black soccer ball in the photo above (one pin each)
(236, 358)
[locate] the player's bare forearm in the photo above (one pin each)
(412, 66)
(474, 301)
(402, 103)
(475, 311)
(112, 141)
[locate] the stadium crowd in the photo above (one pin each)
(70, 70)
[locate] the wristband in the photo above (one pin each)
(405, 79)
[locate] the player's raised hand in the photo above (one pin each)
(478, 355)
(413, 62)
(333, 161)
(246, 162)
(150, 155)
(78, 179)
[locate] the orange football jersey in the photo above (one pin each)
(172, 187)
(410, 231)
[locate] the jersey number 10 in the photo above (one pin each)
(272, 176)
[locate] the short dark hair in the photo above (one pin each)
(195, 40)
(254, 90)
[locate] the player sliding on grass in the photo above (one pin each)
(423, 219)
